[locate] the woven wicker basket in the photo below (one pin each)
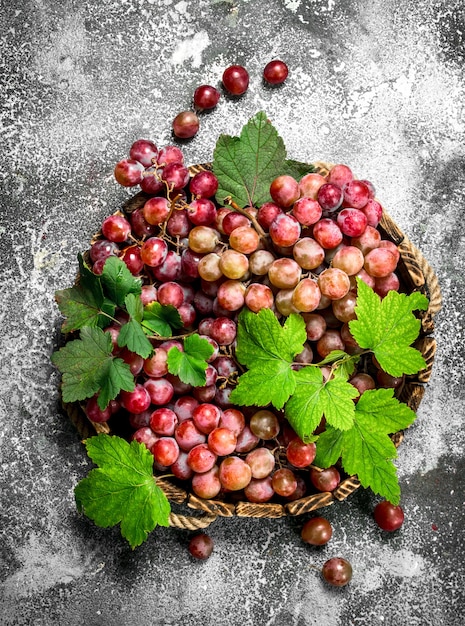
(415, 275)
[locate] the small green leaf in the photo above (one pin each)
(84, 304)
(89, 367)
(388, 328)
(246, 166)
(118, 281)
(260, 337)
(161, 319)
(272, 382)
(385, 413)
(132, 334)
(268, 350)
(123, 489)
(314, 397)
(190, 365)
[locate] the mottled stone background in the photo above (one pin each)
(378, 85)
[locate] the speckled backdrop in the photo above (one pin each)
(378, 85)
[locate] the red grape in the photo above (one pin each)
(388, 516)
(236, 80)
(275, 72)
(337, 571)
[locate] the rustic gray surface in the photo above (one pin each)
(379, 86)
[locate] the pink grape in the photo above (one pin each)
(306, 211)
(163, 421)
(206, 417)
(144, 151)
(160, 390)
(151, 182)
(337, 572)
(180, 468)
(207, 484)
(329, 197)
(267, 213)
(201, 458)
(204, 184)
(349, 259)
(170, 154)
(233, 220)
(300, 454)
(259, 490)
(344, 308)
(284, 273)
(165, 451)
(315, 325)
(340, 175)
(389, 517)
(356, 194)
(333, 283)
(188, 435)
(244, 239)
(308, 253)
(153, 251)
(136, 401)
(222, 441)
(325, 480)
(331, 340)
(284, 482)
(284, 230)
(145, 435)
(307, 295)
(95, 413)
(352, 222)
(261, 462)
(284, 190)
(128, 172)
(235, 473)
(258, 296)
(380, 262)
(246, 440)
(316, 531)
(201, 211)
(116, 228)
(385, 284)
(327, 233)
(260, 261)
(233, 420)
(310, 184)
(374, 212)
(170, 293)
(156, 210)
(156, 365)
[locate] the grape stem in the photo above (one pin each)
(253, 219)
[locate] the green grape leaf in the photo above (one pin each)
(246, 166)
(314, 397)
(297, 169)
(273, 383)
(160, 319)
(123, 489)
(366, 449)
(190, 365)
(132, 334)
(89, 367)
(118, 281)
(388, 327)
(84, 304)
(267, 349)
(261, 338)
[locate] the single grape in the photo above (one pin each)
(206, 417)
(356, 194)
(331, 340)
(160, 390)
(204, 184)
(156, 210)
(171, 268)
(144, 151)
(163, 421)
(340, 175)
(102, 249)
(388, 516)
(235, 473)
(337, 571)
(201, 458)
(259, 490)
(261, 461)
(176, 176)
(284, 273)
(352, 222)
(284, 482)
(116, 228)
(186, 125)
(180, 468)
(233, 220)
(333, 283)
(327, 233)
(128, 172)
(95, 413)
(329, 197)
(170, 293)
(316, 531)
(231, 295)
(151, 182)
(325, 480)
(232, 419)
(380, 262)
(246, 440)
(170, 154)
(165, 451)
(222, 441)
(201, 211)
(206, 97)
(207, 485)
(264, 424)
(306, 211)
(201, 546)
(136, 401)
(233, 264)
(203, 239)
(275, 72)
(258, 296)
(244, 239)
(284, 190)
(235, 80)
(300, 454)
(188, 435)
(307, 295)
(310, 184)
(153, 251)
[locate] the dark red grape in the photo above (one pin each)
(337, 571)
(201, 546)
(236, 80)
(275, 72)
(388, 516)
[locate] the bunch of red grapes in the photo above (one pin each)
(299, 253)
